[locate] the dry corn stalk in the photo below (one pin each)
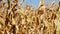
(28, 20)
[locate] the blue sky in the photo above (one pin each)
(35, 3)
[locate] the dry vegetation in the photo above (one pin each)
(15, 20)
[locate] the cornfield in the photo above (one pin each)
(16, 20)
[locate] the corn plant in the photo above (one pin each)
(15, 20)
